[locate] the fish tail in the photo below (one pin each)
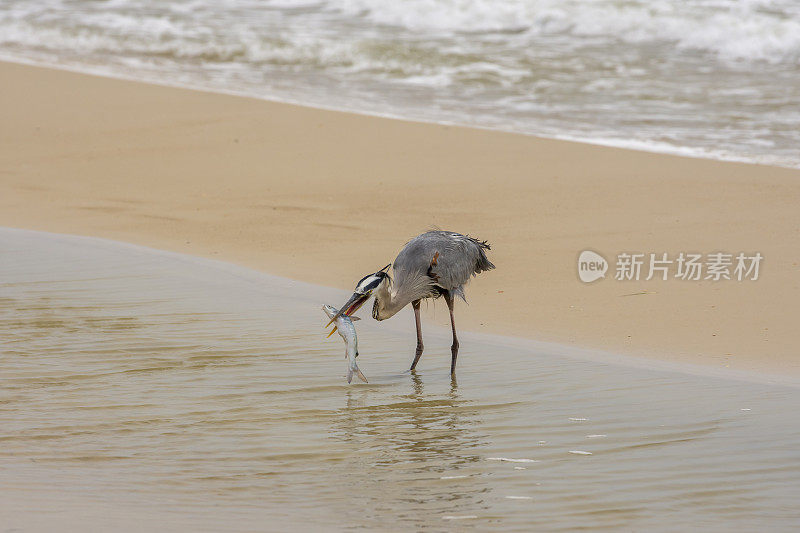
(350, 375)
(360, 375)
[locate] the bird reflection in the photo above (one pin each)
(403, 444)
(416, 383)
(418, 386)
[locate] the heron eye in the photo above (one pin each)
(367, 285)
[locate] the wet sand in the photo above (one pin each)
(143, 389)
(326, 197)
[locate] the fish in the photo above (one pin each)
(347, 331)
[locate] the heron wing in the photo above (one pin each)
(447, 259)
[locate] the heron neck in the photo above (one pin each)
(394, 305)
(391, 303)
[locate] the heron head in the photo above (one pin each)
(364, 289)
(383, 297)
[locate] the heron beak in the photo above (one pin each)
(351, 306)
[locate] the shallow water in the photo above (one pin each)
(710, 78)
(147, 389)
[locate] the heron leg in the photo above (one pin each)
(448, 297)
(420, 347)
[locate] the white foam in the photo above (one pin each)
(732, 29)
(471, 61)
(580, 452)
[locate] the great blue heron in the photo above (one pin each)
(436, 263)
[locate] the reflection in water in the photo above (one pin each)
(403, 449)
(140, 386)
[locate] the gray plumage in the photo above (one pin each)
(436, 261)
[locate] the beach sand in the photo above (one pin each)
(328, 197)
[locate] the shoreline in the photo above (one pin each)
(627, 144)
(278, 188)
(440, 335)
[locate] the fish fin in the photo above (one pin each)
(360, 375)
(332, 331)
(354, 318)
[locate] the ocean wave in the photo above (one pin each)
(719, 76)
(733, 30)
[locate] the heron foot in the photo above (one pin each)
(418, 354)
(454, 353)
(420, 347)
